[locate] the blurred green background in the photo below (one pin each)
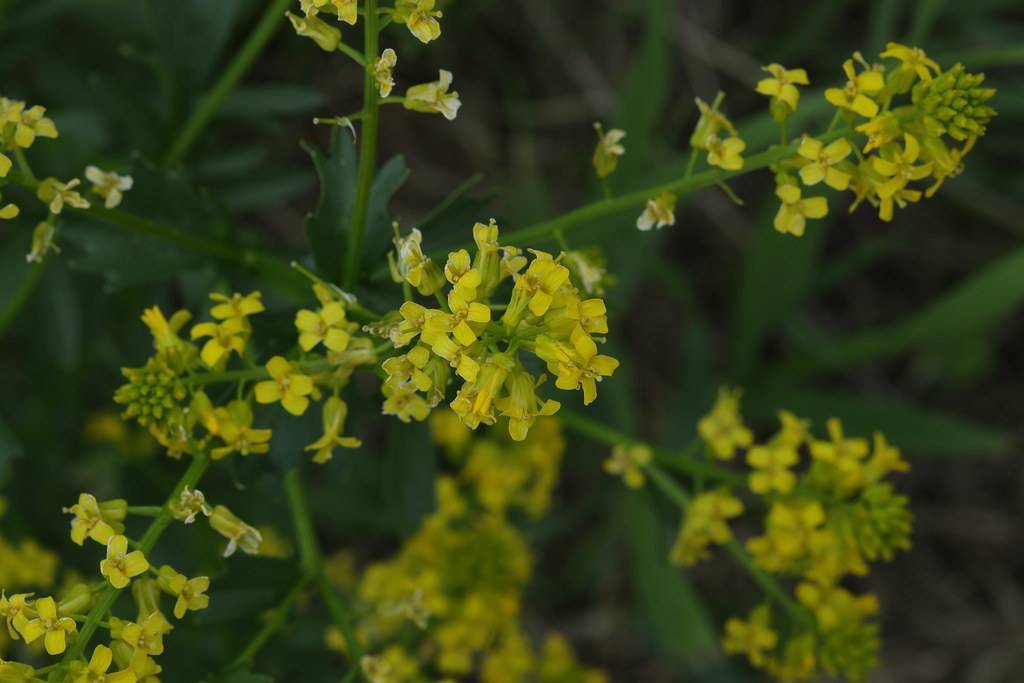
(911, 328)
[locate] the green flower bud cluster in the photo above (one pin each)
(955, 103)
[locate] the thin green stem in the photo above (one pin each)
(367, 152)
(271, 626)
(252, 374)
(145, 510)
(23, 165)
(356, 55)
(208, 105)
(156, 528)
(311, 562)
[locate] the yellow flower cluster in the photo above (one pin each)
(917, 120)
(545, 316)
(452, 595)
(830, 512)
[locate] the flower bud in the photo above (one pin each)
(238, 533)
(312, 26)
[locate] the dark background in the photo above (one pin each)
(911, 327)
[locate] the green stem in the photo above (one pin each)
(145, 510)
(252, 374)
(682, 462)
(23, 165)
(356, 55)
(156, 528)
(271, 626)
(367, 152)
(312, 564)
(211, 101)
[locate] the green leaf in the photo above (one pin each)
(668, 603)
(390, 177)
(327, 226)
(985, 298)
(409, 471)
(916, 430)
(10, 449)
(244, 676)
(271, 99)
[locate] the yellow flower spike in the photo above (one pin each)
(239, 534)
(48, 624)
(522, 406)
(226, 336)
(608, 151)
(771, 466)
(722, 429)
(99, 663)
(108, 185)
(855, 95)
(629, 462)
(234, 428)
(899, 167)
(705, 521)
(147, 636)
(383, 71)
(334, 413)
(121, 566)
(781, 87)
(794, 210)
(434, 98)
(328, 326)
(286, 385)
(56, 195)
(725, 154)
(420, 17)
(459, 271)
(15, 611)
(913, 63)
(823, 161)
(91, 520)
(236, 306)
(658, 213)
(752, 637)
(311, 26)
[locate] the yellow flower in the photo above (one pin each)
(322, 33)
(772, 468)
(47, 623)
(913, 62)
(5, 165)
(833, 604)
(238, 533)
(794, 210)
(420, 17)
(609, 149)
(334, 413)
(789, 529)
(408, 369)
(751, 637)
(164, 331)
(434, 98)
(286, 385)
(147, 636)
(96, 671)
(383, 71)
(144, 667)
(402, 401)
(9, 210)
(348, 10)
(459, 357)
(659, 212)
(781, 87)
(710, 123)
(459, 271)
(57, 194)
(823, 161)
(121, 566)
(705, 521)
(459, 321)
(725, 153)
(94, 520)
(577, 366)
(233, 425)
(28, 123)
(414, 267)
(855, 95)
(535, 289)
(108, 185)
(236, 306)
(846, 455)
(898, 166)
(189, 505)
(328, 325)
(522, 406)
(15, 611)
(629, 463)
(475, 400)
(723, 429)
(225, 336)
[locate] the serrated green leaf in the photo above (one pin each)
(915, 429)
(327, 227)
